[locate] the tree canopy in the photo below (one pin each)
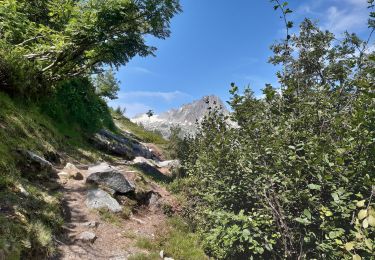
(68, 38)
(106, 84)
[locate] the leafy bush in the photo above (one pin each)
(75, 102)
(295, 178)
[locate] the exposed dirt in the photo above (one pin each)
(114, 240)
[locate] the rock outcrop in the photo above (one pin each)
(36, 161)
(97, 199)
(110, 178)
(121, 145)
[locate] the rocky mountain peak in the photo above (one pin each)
(186, 116)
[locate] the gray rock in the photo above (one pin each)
(97, 199)
(141, 159)
(37, 160)
(23, 190)
(124, 145)
(168, 164)
(109, 178)
(102, 167)
(112, 146)
(153, 198)
(87, 236)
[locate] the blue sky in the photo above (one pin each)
(216, 42)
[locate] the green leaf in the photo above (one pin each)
(246, 233)
(369, 243)
(328, 213)
(288, 11)
(307, 213)
(362, 214)
(361, 203)
(365, 223)
(333, 234)
(357, 257)
(349, 246)
(335, 197)
(371, 220)
(302, 221)
(314, 186)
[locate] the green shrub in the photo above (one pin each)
(295, 177)
(76, 103)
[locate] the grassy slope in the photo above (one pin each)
(146, 136)
(27, 222)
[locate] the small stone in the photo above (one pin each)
(153, 197)
(72, 172)
(168, 258)
(91, 224)
(87, 236)
(138, 221)
(23, 190)
(63, 175)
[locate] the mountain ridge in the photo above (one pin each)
(185, 116)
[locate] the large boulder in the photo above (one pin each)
(121, 145)
(37, 165)
(111, 146)
(98, 199)
(109, 177)
(36, 160)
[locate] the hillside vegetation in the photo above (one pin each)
(51, 104)
(296, 179)
(30, 209)
(287, 176)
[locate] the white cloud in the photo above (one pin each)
(139, 102)
(139, 70)
(337, 16)
(340, 20)
(165, 96)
